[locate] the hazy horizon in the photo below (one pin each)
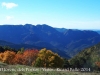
(55, 27)
(71, 14)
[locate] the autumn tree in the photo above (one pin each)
(97, 67)
(29, 56)
(1, 57)
(97, 64)
(8, 57)
(18, 59)
(46, 58)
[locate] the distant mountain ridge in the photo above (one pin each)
(69, 42)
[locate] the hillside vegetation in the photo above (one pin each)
(87, 62)
(89, 57)
(32, 57)
(65, 42)
(27, 70)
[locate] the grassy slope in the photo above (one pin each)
(3, 65)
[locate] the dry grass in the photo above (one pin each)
(39, 71)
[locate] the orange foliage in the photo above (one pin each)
(29, 56)
(97, 64)
(1, 56)
(7, 57)
(18, 59)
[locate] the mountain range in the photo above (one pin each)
(66, 42)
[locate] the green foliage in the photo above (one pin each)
(8, 48)
(77, 62)
(38, 63)
(87, 58)
(21, 50)
(66, 63)
(5, 48)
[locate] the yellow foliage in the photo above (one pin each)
(8, 57)
(49, 59)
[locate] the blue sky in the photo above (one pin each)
(74, 14)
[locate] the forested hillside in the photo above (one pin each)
(89, 57)
(66, 42)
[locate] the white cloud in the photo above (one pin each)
(9, 17)
(9, 5)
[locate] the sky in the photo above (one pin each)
(73, 14)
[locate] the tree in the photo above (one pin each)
(77, 62)
(8, 57)
(1, 57)
(21, 50)
(66, 63)
(29, 56)
(97, 66)
(18, 59)
(46, 58)
(38, 63)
